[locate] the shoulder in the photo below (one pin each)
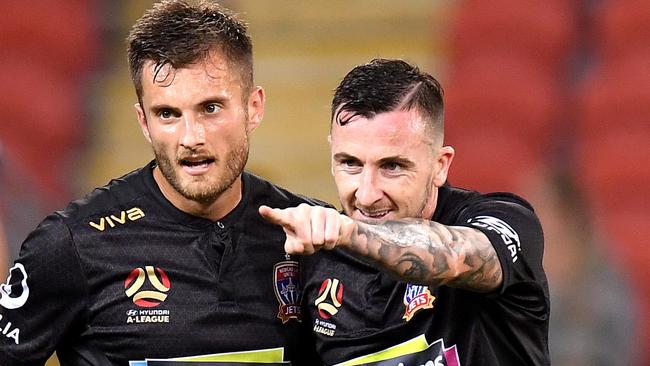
(515, 232)
(118, 193)
(264, 192)
(457, 205)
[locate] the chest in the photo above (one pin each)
(157, 291)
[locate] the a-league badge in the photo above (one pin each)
(286, 283)
(416, 297)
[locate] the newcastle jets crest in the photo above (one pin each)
(416, 297)
(286, 283)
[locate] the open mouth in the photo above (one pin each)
(196, 165)
(192, 163)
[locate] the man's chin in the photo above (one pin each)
(199, 192)
(204, 198)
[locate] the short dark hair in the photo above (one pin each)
(384, 85)
(176, 33)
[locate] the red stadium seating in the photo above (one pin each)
(622, 28)
(58, 35)
(504, 95)
(42, 125)
(613, 171)
(612, 143)
(492, 162)
(613, 132)
(501, 115)
(48, 48)
(541, 32)
(616, 97)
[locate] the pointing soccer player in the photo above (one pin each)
(415, 271)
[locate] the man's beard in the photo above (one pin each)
(235, 163)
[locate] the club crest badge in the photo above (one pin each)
(416, 297)
(286, 283)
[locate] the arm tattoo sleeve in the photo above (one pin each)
(429, 253)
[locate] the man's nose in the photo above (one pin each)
(194, 133)
(368, 191)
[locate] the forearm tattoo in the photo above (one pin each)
(429, 253)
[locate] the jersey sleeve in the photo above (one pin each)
(516, 235)
(43, 296)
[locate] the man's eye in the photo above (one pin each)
(165, 114)
(212, 108)
(393, 167)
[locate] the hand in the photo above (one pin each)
(310, 228)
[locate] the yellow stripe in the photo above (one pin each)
(135, 286)
(335, 286)
(151, 273)
(414, 345)
(322, 297)
(271, 355)
(328, 307)
(147, 295)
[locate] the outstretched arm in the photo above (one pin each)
(415, 250)
(423, 251)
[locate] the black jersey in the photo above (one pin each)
(362, 315)
(123, 275)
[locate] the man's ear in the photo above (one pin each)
(142, 121)
(445, 157)
(256, 103)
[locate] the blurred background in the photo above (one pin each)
(548, 99)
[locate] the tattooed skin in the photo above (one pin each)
(429, 253)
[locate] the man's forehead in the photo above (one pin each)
(164, 73)
(397, 124)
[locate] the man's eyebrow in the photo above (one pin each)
(213, 99)
(208, 100)
(163, 106)
(398, 160)
(343, 156)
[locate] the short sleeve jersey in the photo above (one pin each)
(361, 315)
(122, 275)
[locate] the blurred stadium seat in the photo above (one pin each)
(615, 97)
(627, 233)
(622, 28)
(501, 116)
(505, 96)
(540, 32)
(612, 135)
(613, 171)
(42, 125)
(62, 36)
(526, 100)
(49, 48)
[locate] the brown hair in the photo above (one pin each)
(176, 33)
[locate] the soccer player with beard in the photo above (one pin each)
(172, 260)
(417, 272)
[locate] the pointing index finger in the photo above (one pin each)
(272, 215)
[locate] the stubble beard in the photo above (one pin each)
(205, 193)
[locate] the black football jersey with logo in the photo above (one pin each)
(122, 277)
(363, 316)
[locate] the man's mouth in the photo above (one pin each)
(196, 165)
(373, 215)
